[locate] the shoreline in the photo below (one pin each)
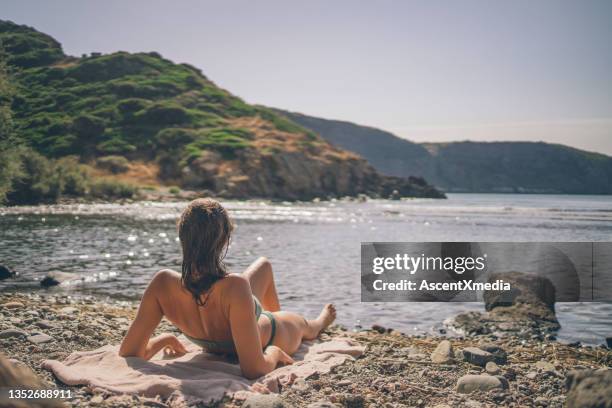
(396, 367)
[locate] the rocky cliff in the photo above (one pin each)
(474, 167)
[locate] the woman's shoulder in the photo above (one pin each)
(234, 284)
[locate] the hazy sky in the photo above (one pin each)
(426, 70)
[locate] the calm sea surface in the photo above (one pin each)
(314, 248)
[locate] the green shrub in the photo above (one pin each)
(114, 164)
(115, 146)
(106, 188)
(167, 113)
(174, 190)
(175, 137)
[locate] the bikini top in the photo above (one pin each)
(227, 346)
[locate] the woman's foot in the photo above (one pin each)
(327, 316)
(316, 326)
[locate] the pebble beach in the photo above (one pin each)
(397, 370)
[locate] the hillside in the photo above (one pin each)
(477, 167)
(172, 120)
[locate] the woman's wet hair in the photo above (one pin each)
(204, 229)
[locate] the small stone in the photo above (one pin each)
(11, 333)
(378, 328)
(68, 310)
(354, 401)
(40, 338)
(470, 383)
(443, 353)
(44, 324)
(89, 332)
(504, 382)
(545, 366)
(532, 375)
(322, 404)
(15, 320)
(12, 305)
(264, 401)
(476, 356)
(97, 399)
(300, 384)
(499, 354)
(344, 383)
(492, 368)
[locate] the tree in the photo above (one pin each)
(10, 162)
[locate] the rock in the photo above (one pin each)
(55, 278)
(12, 305)
(44, 324)
(378, 328)
(322, 404)
(499, 354)
(300, 384)
(532, 375)
(354, 401)
(470, 383)
(492, 368)
(40, 338)
(264, 401)
(68, 310)
(476, 356)
(443, 353)
(6, 272)
(89, 332)
(609, 342)
(504, 382)
(97, 399)
(18, 375)
(589, 388)
(532, 297)
(10, 333)
(545, 366)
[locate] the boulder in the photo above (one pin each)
(470, 383)
(526, 310)
(55, 278)
(6, 272)
(589, 388)
(443, 353)
(531, 296)
(16, 375)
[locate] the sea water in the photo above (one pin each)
(314, 248)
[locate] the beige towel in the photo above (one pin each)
(196, 376)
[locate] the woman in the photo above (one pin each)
(221, 312)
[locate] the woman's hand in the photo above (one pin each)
(279, 355)
(173, 348)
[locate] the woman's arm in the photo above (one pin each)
(137, 341)
(241, 311)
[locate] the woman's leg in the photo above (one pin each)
(292, 328)
(261, 278)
